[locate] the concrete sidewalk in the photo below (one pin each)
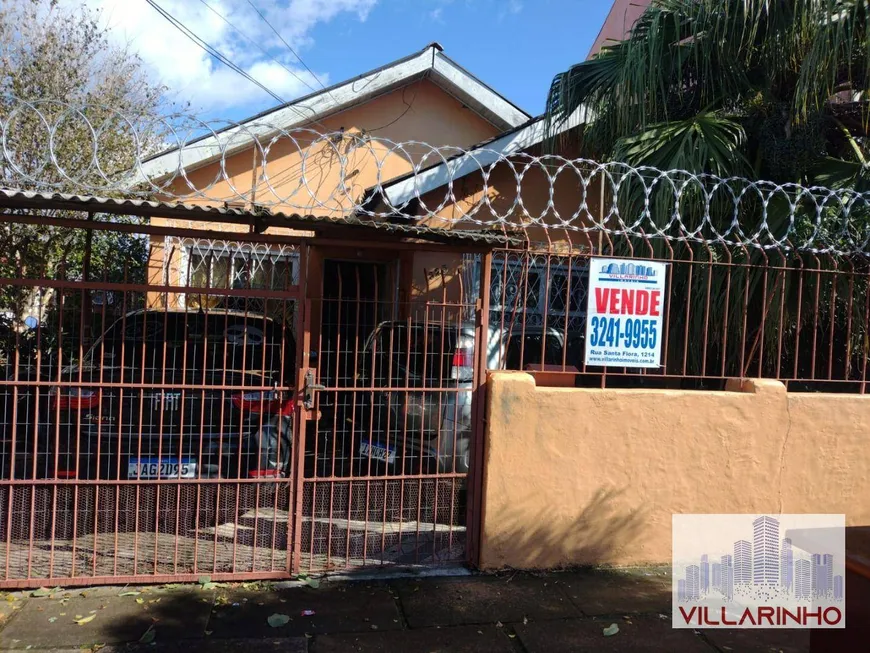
(510, 613)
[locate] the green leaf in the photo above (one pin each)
(148, 636)
(277, 620)
(611, 630)
(312, 583)
(129, 594)
(85, 620)
(42, 591)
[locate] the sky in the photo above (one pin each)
(515, 46)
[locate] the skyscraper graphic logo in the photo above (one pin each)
(742, 562)
(765, 551)
(627, 271)
(759, 571)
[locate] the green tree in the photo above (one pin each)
(763, 89)
(53, 62)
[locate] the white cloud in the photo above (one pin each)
(194, 76)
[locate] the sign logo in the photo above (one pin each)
(624, 313)
(759, 571)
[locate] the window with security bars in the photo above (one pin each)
(239, 269)
(539, 290)
(216, 269)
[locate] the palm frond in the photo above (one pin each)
(705, 142)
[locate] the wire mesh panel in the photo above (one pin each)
(387, 459)
(147, 404)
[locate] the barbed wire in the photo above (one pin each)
(97, 149)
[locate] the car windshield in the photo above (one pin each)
(423, 351)
(193, 341)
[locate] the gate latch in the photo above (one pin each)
(309, 388)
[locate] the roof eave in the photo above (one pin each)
(404, 190)
(441, 69)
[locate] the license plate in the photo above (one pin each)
(161, 468)
(378, 452)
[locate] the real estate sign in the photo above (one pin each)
(624, 312)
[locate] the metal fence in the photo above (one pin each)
(731, 312)
(173, 406)
(517, 186)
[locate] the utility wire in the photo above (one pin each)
(257, 45)
(209, 49)
(295, 54)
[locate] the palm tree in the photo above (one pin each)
(760, 89)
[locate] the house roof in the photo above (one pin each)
(621, 18)
(34, 201)
(403, 189)
(430, 62)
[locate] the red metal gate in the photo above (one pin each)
(173, 408)
(387, 424)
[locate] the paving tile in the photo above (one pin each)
(50, 623)
(10, 604)
(768, 640)
(641, 634)
(208, 645)
(345, 608)
(616, 593)
(459, 639)
(451, 602)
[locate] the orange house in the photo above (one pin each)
(280, 160)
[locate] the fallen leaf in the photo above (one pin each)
(277, 620)
(374, 627)
(511, 635)
(85, 620)
(51, 620)
(129, 594)
(42, 591)
(499, 624)
(310, 613)
(148, 636)
(313, 583)
(78, 616)
(209, 632)
(10, 598)
(208, 586)
(525, 621)
(63, 614)
(140, 601)
(154, 601)
(611, 630)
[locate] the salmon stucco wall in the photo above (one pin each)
(590, 476)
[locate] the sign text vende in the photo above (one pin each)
(624, 313)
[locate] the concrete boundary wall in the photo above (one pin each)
(588, 476)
